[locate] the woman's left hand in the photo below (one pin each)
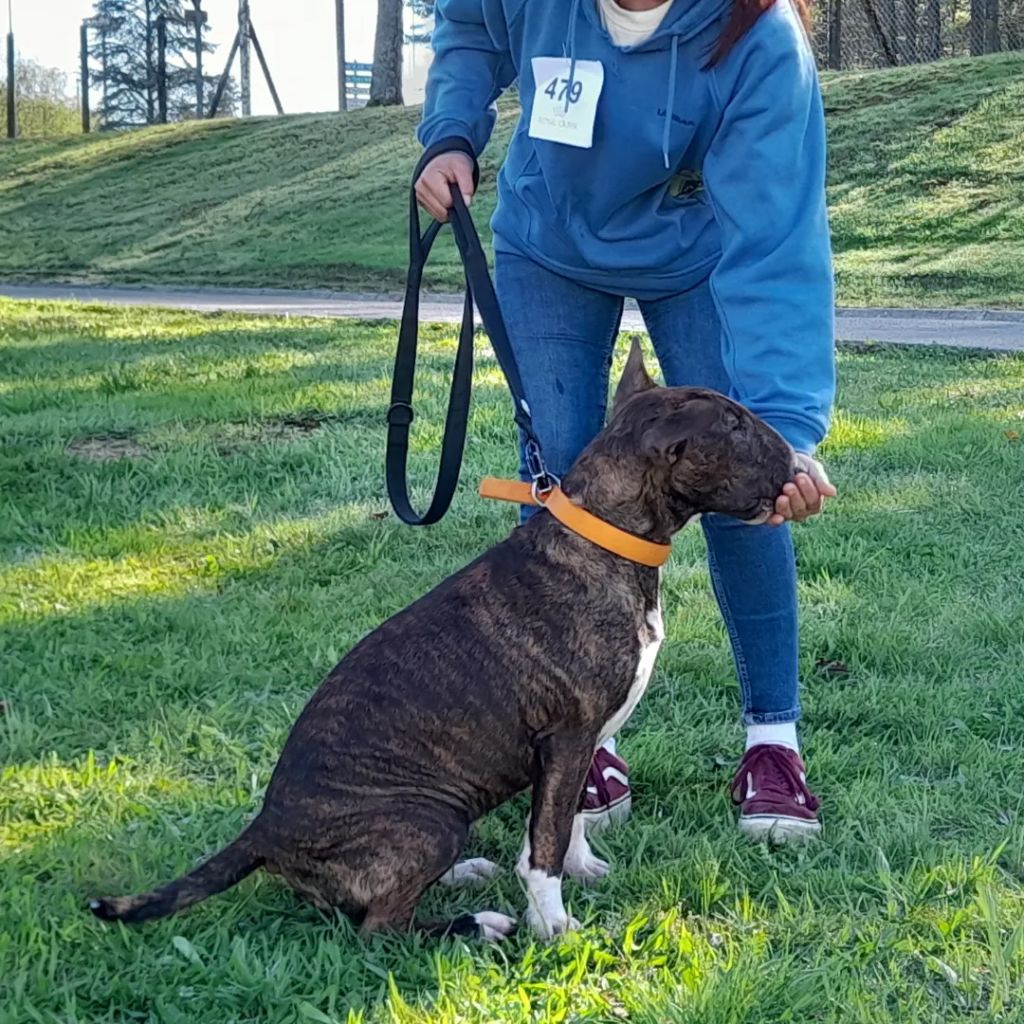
(805, 496)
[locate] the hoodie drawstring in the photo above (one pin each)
(569, 50)
(670, 101)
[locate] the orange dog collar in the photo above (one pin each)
(579, 520)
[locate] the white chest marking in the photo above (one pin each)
(651, 636)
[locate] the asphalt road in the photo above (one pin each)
(1001, 330)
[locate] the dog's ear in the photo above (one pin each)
(635, 377)
(665, 440)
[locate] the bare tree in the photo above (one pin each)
(44, 106)
(386, 84)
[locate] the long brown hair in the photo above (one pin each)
(742, 17)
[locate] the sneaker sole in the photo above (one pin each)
(613, 814)
(774, 828)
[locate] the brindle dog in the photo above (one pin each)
(506, 676)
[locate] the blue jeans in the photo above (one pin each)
(563, 334)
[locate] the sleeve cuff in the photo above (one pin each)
(449, 144)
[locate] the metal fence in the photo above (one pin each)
(887, 33)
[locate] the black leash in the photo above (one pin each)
(479, 289)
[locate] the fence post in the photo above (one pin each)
(83, 38)
(199, 66)
(12, 97)
(161, 68)
(339, 20)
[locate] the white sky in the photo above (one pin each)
(298, 37)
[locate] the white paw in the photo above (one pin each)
(494, 927)
(475, 871)
(550, 926)
(587, 868)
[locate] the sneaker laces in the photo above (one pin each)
(777, 769)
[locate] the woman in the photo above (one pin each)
(674, 152)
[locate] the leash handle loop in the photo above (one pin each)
(479, 291)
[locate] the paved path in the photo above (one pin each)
(962, 328)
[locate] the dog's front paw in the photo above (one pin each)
(587, 868)
(550, 926)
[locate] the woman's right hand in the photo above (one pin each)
(434, 185)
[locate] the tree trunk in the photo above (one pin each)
(386, 84)
(976, 27)
(909, 16)
(887, 52)
(931, 30)
(992, 26)
(835, 36)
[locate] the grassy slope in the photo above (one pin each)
(927, 189)
(162, 620)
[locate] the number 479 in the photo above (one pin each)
(573, 92)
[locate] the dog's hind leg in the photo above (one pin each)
(395, 912)
(410, 860)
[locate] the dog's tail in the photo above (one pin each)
(220, 872)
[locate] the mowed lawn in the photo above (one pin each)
(193, 529)
(925, 188)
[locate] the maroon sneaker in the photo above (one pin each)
(770, 788)
(606, 796)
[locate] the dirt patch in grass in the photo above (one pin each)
(106, 448)
(232, 437)
(287, 427)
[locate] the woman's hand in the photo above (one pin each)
(433, 187)
(805, 496)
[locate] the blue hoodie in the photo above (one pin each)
(694, 171)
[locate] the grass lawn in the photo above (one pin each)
(926, 188)
(193, 530)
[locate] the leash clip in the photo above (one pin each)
(544, 481)
(540, 492)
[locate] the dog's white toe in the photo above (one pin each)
(474, 871)
(493, 926)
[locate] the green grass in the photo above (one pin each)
(164, 616)
(926, 188)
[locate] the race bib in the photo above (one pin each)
(564, 111)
